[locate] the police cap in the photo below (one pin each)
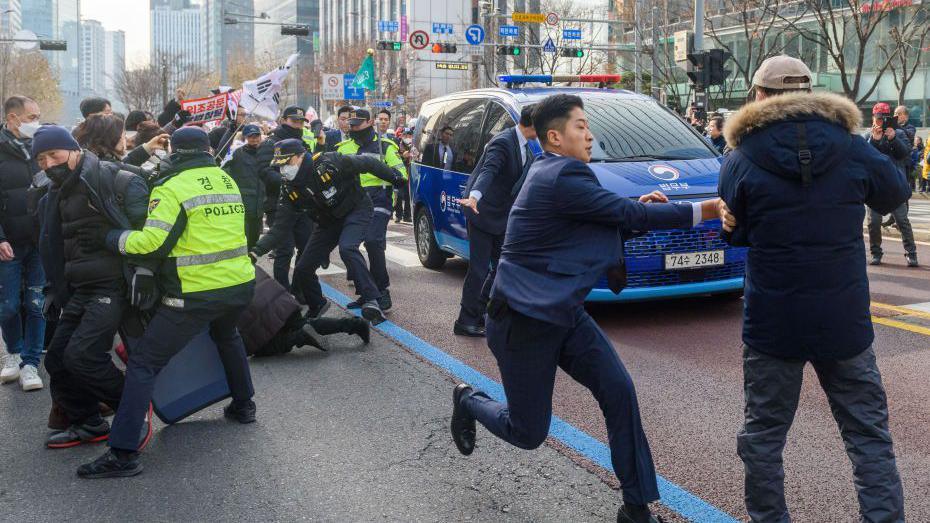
(286, 149)
(359, 116)
(295, 112)
(189, 140)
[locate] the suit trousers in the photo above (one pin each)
(166, 335)
(284, 253)
(376, 237)
(347, 233)
(904, 225)
(484, 250)
(528, 353)
(81, 372)
(772, 387)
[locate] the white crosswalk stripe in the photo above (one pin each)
(393, 253)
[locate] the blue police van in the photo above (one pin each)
(639, 146)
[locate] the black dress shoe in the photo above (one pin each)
(357, 304)
(243, 412)
(113, 464)
(636, 514)
(373, 313)
(474, 331)
(463, 423)
(385, 301)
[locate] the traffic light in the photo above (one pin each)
(53, 45)
(715, 60)
(572, 52)
(447, 48)
(509, 50)
(387, 45)
(295, 30)
(698, 72)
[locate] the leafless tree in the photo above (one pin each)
(149, 87)
(844, 29)
(908, 41)
(28, 73)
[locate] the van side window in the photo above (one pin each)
(461, 124)
(498, 120)
(430, 115)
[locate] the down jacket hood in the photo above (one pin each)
(767, 131)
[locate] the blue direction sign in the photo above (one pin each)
(385, 103)
(474, 34)
(388, 26)
(571, 34)
(352, 93)
(549, 46)
(509, 30)
(442, 29)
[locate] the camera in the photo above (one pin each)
(889, 122)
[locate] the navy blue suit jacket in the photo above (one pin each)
(495, 175)
(564, 232)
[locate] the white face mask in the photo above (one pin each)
(289, 172)
(29, 129)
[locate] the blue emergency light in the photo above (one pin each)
(548, 79)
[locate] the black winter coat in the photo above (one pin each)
(271, 176)
(807, 291)
(244, 169)
(269, 310)
(17, 168)
(127, 210)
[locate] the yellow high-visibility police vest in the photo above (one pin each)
(391, 158)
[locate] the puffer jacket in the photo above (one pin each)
(807, 292)
(17, 168)
(270, 309)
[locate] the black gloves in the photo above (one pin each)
(50, 310)
(399, 181)
(144, 289)
(181, 118)
(93, 238)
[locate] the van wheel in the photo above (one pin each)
(427, 249)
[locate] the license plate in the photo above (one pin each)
(693, 260)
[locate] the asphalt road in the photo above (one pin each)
(360, 433)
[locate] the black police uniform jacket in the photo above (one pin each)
(327, 187)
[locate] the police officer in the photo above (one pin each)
(326, 186)
(196, 225)
(564, 233)
(364, 141)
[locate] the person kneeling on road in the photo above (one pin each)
(272, 324)
(327, 187)
(196, 227)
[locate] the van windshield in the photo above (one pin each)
(639, 130)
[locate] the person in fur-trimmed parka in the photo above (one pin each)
(797, 182)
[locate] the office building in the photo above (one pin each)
(114, 61)
(229, 44)
(177, 33)
(60, 20)
(272, 48)
(11, 17)
(93, 58)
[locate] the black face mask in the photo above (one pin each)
(58, 173)
(363, 135)
(290, 132)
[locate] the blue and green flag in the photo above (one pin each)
(365, 77)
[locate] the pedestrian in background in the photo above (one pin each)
(917, 156)
(894, 142)
(715, 134)
(924, 173)
(807, 291)
(402, 212)
(244, 169)
(21, 275)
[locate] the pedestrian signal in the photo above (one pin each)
(572, 52)
(509, 50)
(387, 45)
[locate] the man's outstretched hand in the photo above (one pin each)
(469, 203)
(654, 197)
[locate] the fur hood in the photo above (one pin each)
(757, 115)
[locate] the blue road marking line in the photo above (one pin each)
(673, 496)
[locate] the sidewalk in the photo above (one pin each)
(359, 433)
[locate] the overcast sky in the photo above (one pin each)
(131, 16)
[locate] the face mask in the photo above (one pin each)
(58, 173)
(131, 134)
(289, 172)
(29, 129)
(362, 135)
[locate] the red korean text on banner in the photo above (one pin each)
(210, 109)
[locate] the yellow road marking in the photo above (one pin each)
(901, 310)
(901, 325)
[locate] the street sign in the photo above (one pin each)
(442, 29)
(509, 30)
(571, 34)
(383, 103)
(452, 66)
(529, 18)
(403, 28)
(419, 39)
(400, 99)
(552, 18)
(333, 88)
(549, 46)
(474, 34)
(682, 45)
(388, 26)
(349, 92)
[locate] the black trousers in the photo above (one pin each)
(376, 237)
(170, 331)
(772, 387)
(484, 250)
(402, 202)
(253, 230)
(528, 353)
(81, 371)
(284, 253)
(347, 234)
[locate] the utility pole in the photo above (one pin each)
(655, 54)
(637, 49)
(700, 96)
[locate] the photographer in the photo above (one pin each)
(891, 141)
